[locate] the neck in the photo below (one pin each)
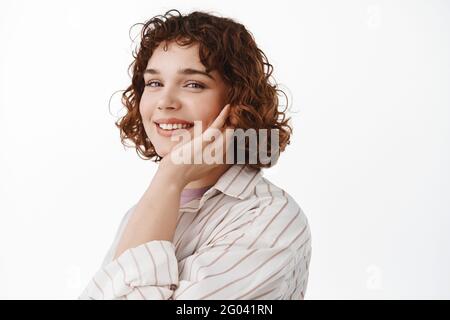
(209, 179)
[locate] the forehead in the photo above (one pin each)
(175, 55)
(178, 59)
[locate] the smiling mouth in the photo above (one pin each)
(173, 127)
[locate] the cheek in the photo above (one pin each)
(209, 116)
(145, 110)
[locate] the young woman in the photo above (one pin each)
(204, 230)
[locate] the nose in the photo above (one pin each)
(169, 103)
(167, 106)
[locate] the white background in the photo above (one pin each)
(368, 83)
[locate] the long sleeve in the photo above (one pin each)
(229, 268)
(147, 271)
(247, 239)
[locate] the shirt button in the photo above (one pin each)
(173, 287)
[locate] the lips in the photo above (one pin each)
(173, 121)
(175, 126)
(170, 132)
(166, 127)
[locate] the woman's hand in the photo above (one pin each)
(155, 215)
(194, 159)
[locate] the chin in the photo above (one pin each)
(162, 148)
(162, 152)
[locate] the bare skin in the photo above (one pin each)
(169, 93)
(191, 97)
(156, 214)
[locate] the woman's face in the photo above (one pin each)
(173, 89)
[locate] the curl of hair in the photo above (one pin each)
(224, 45)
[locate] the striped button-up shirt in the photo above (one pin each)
(245, 238)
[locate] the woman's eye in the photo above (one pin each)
(148, 84)
(196, 84)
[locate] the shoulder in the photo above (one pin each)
(279, 219)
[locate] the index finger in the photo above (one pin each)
(220, 119)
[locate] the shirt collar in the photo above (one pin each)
(238, 181)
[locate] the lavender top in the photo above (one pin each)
(190, 194)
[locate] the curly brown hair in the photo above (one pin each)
(226, 46)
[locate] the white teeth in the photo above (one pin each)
(172, 126)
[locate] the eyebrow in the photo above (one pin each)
(185, 71)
